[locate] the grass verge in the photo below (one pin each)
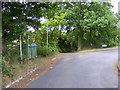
(95, 49)
(39, 66)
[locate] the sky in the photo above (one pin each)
(115, 4)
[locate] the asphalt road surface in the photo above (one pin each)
(81, 70)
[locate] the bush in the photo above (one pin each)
(11, 55)
(46, 50)
(7, 70)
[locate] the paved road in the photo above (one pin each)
(81, 70)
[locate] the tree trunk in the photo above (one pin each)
(4, 44)
(4, 47)
(0, 46)
(79, 43)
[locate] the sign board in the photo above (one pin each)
(104, 45)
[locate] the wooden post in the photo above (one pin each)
(47, 37)
(20, 48)
(28, 47)
(27, 53)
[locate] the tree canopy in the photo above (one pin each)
(74, 24)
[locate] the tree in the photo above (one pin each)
(52, 25)
(17, 16)
(94, 23)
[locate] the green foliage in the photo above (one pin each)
(95, 26)
(17, 16)
(67, 42)
(7, 70)
(52, 25)
(46, 50)
(11, 55)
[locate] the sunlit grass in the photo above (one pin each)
(95, 49)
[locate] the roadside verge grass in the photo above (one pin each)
(96, 49)
(22, 70)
